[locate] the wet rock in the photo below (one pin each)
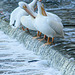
(33, 61)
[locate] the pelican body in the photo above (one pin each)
(48, 25)
(27, 22)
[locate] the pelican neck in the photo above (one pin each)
(39, 8)
(33, 3)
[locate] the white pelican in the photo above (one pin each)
(49, 26)
(19, 12)
(27, 21)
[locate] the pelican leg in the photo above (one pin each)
(25, 29)
(48, 43)
(52, 39)
(37, 35)
(42, 38)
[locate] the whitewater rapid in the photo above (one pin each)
(16, 60)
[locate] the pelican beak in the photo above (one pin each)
(26, 9)
(24, 6)
(43, 10)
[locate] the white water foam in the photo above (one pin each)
(16, 60)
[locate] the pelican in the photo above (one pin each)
(27, 21)
(19, 12)
(49, 26)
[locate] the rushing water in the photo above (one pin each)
(16, 60)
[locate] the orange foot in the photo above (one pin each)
(48, 43)
(42, 38)
(36, 37)
(23, 29)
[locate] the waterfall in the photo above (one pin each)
(55, 58)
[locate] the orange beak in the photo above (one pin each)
(25, 8)
(43, 11)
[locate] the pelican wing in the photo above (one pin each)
(56, 26)
(54, 16)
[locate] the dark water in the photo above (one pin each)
(15, 59)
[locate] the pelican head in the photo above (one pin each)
(41, 9)
(23, 5)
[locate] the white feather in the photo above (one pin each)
(19, 12)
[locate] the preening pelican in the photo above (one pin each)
(27, 21)
(49, 26)
(19, 12)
